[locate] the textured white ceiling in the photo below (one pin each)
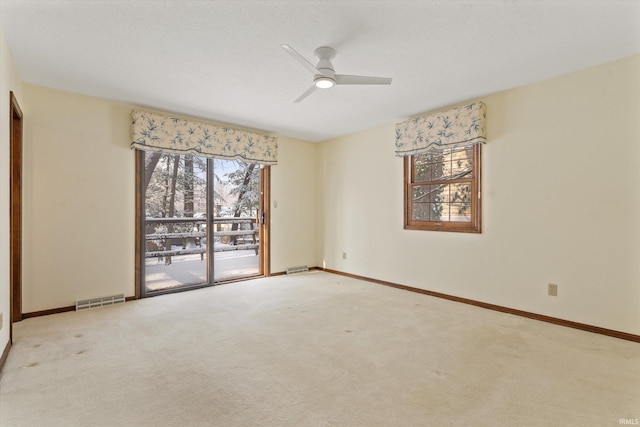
(222, 60)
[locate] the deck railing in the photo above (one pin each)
(159, 244)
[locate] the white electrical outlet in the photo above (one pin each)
(552, 290)
(1, 320)
(344, 255)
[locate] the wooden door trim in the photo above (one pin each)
(265, 228)
(15, 203)
(139, 229)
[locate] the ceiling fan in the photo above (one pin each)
(324, 76)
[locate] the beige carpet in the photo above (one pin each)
(312, 349)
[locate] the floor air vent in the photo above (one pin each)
(99, 302)
(302, 268)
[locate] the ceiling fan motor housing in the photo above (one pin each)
(327, 78)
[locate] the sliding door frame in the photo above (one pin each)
(265, 220)
(140, 248)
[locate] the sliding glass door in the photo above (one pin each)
(202, 221)
(236, 189)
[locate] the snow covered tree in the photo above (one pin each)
(188, 188)
(245, 182)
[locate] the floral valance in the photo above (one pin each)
(157, 132)
(456, 127)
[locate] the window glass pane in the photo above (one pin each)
(428, 193)
(421, 159)
(420, 212)
(420, 169)
(460, 192)
(462, 153)
(420, 205)
(438, 192)
(445, 191)
(236, 192)
(437, 171)
(460, 212)
(421, 193)
(175, 221)
(429, 156)
(461, 168)
(436, 212)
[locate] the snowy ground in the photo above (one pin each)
(190, 269)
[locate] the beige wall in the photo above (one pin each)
(294, 192)
(560, 204)
(9, 81)
(79, 200)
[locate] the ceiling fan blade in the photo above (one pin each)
(344, 79)
(307, 93)
(301, 59)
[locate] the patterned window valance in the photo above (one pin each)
(157, 132)
(456, 127)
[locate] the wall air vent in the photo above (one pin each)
(99, 302)
(293, 270)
